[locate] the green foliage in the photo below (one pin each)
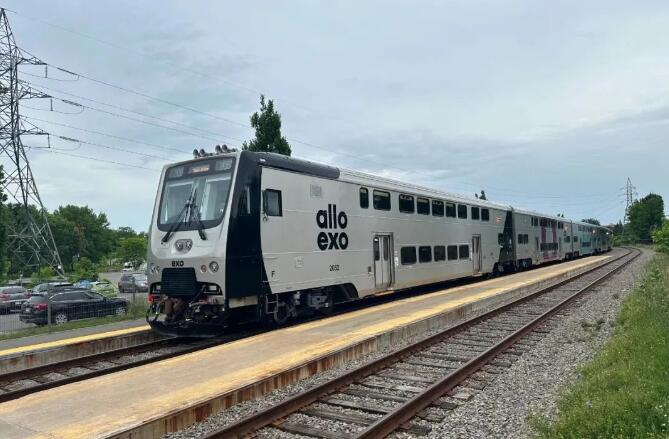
(624, 391)
(133, 249)
(661, 237)
(84, 268)
(45, 274)
(80, 233)
(645, 215)
(267, 124)
(593, 221)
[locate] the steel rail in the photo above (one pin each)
(406, 411)
(271, 415)
(90, 359)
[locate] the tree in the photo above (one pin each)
(593, 221)
(645, 215)
(482, 196)
(267, 124)
(661, 237)
(79, 232)
(84, 268)
(133, 249)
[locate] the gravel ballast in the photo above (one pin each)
(530, 385)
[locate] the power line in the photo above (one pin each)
(112, 136)
(100, 160)
(139, 113)
(177, 67)
(145, 122)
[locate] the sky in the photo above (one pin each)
(544, 105)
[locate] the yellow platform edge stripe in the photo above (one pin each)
(72, 340)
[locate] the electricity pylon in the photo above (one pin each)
(30, 238)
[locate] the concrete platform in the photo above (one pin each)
(39, 350)
(134, 403)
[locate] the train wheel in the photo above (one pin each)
(285, 309)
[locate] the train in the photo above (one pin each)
(254, 237)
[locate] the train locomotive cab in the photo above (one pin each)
(188, 242)
(205, 261)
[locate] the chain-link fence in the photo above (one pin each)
(27, 312)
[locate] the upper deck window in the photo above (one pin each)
(423, 206)
(381, 200)
(196, 194)
(406, 203)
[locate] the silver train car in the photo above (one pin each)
(259, 237)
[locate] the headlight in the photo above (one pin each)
(203, 268)
(213, 266)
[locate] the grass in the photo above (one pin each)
(135, 311)
(624, 391)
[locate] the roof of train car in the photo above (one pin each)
(347, 175)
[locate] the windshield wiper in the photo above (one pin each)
(195, 215)
(183, 214)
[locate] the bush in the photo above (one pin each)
(661, 237)
(84, 268)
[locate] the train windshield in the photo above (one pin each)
(198, 191)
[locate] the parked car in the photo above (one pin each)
(74, 304)
(12, 297)
(133, 283)
(103, 287)
(52, 287)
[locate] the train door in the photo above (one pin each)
(476, 253)
(536, 248)
(383, 266)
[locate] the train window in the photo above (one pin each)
(381, 200)
(423, 206)
(485, 215)
(272, 202)
(425, 254)
(543, 222)
(463, 251)
(575, 238)
(520, 239)
(364, 197)
(560, 225)
(439, 253)
(452, 251)
(462, 211)
(476, 213)
(406, 203)
(567, 238)
(450, 210)
(377, 254)
(437, 208)
(408, 255)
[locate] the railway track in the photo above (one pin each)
(24, 382)
(444, 370)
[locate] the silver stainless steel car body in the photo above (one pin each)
(261, 236)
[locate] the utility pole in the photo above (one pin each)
(30, 237)
(630, 190)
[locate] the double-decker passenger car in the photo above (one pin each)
(243, 235)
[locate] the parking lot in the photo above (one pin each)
(10, 322)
